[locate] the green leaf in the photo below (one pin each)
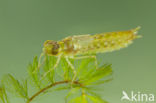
(68, 73)
(3, 95)
(34, 73)
(102, 81)
(73, 93)
(62, 88)
(96, 99)
(87, 76)
(94, 76)
(15, 86)
(49, 64)
(84, 67)
(80, 99)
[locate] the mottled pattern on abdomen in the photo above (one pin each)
(106, 42)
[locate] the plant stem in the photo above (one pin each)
(50, 86)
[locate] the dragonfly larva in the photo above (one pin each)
(83, 46)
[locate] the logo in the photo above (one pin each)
(137, 97)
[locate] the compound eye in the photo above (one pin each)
(55, 48)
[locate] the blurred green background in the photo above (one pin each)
(26, 24)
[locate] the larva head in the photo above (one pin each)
(51, 47)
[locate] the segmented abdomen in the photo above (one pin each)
(107, 42)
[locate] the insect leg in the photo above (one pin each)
(73, 68)
(91, 56)
(39, 62)
(57, 62)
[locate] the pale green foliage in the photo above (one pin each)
(87, 99)
(49, 62)
(34, 75)
(82, 90)
(14, 86)
(3, 95)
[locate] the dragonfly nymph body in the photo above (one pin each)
(81, 45)
(90, 44)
